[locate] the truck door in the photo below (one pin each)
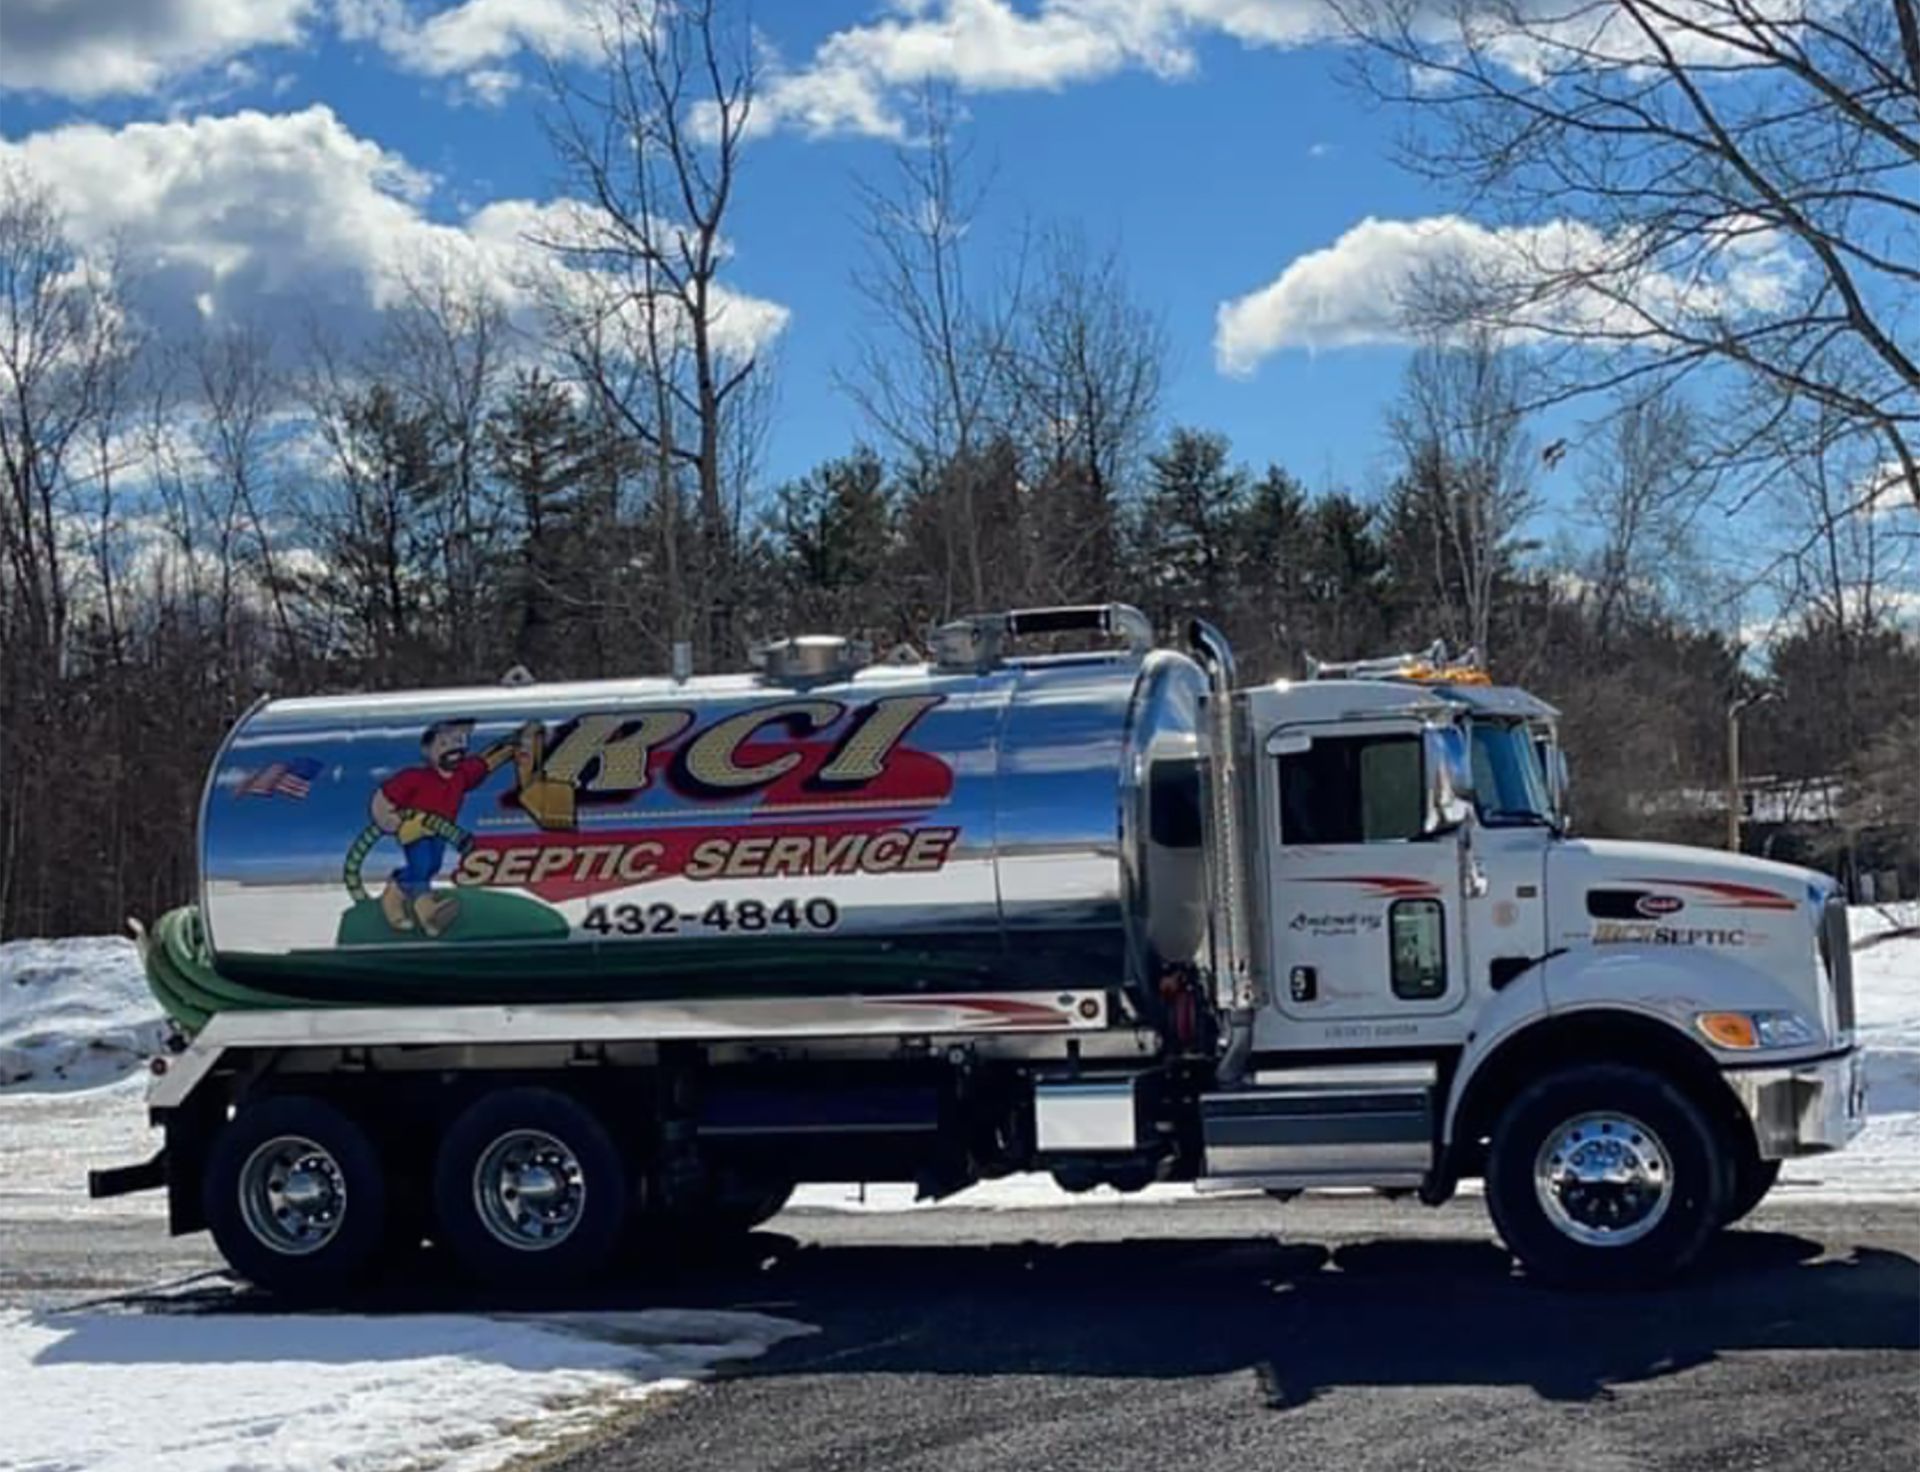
(1365, 907)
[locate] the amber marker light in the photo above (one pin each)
(1728, 1029)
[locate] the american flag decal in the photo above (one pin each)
(292, 779)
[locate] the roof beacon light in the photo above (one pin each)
(1432, 666)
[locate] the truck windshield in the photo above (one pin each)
(1509, 787)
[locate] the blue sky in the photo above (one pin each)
(1212, 153)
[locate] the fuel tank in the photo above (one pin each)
(890, 829)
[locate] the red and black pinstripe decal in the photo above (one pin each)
(1384, 886)
(1004, 1012)
(1725, 894)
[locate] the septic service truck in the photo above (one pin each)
(532, 971)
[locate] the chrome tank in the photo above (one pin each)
(899, 829)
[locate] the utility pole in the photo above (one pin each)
(1734, 712)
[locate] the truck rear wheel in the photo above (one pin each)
(1604, 1174)
(529, 1188)
(296, 1198)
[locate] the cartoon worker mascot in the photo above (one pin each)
(420, 807)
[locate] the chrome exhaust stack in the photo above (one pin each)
(1234, 987)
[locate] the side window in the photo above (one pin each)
(1352, 789)
(1416, 932)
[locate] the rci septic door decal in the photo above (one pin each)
(608, 801)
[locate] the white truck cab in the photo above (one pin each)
(1426, 934)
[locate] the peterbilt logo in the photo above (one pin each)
(1653, 906)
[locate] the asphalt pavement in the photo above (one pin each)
(1322, 1335)
(1326, 1334)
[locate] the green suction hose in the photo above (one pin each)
(180, 966)
(370, 835)
(180, 971)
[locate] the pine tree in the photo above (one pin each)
(550, 462)
(1272, 542)
(833, 539)
(1186, 537)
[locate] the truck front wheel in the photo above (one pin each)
(1604, 1174)
(529, 1188)
(296, 1198)
(1752, 1179)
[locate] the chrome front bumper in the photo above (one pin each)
(1803, 1108)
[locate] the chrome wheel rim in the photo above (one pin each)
(293, 1195)
(529, 1190)
(1604, 1179)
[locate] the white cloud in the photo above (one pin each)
(507, 240)
(97, 48)
(1884, 492)
(280, 220)
(491, 86)
(854, 79)
(473, 40)
(1355, 291)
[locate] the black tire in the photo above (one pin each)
(717, 1223)
(741, 1210)
(341, 1181)
(1752, 1179)
(486, 1221)
(1664, 1125)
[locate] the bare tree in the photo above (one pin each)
(653, 148)
(444, 351)
(239, 401)
(1466, 485)
(1086, 369)
(64, 349)
(934, 366)
(1639, 495)
(1711, 188)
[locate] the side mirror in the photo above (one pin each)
(1553, 768)
(1449, 767)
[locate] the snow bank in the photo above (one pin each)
(1885, 1160)
(74, 1014)
(104, 1392)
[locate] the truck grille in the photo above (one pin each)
(1836, 954)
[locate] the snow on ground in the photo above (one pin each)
(1885, 1160)
(122, 1392)
(74, 1014)
(101, 1391)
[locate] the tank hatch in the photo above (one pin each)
(804, 659)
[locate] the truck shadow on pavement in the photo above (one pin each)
(1307, 1319)
(1304, 1318)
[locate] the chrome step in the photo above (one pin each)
(1328, 1125)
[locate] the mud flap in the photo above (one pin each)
(124, 1180)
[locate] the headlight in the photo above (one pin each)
(1746, 1031)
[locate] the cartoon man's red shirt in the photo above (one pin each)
(429, 790)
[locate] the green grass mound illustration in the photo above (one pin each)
(484, 915)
